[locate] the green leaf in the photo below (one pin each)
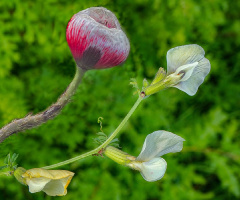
(14, 157)
(115, 140)
(101, 134)
(7, 159)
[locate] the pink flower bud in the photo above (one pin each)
(96, 39)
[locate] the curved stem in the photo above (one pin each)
(71, 160)
(102, 146)
(31, 121)
(114, 134)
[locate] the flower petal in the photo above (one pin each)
(151, 170)
(183, 55)
(190, 86)
(37, 184)
(159, 143)
(186, 71)
(57, 187)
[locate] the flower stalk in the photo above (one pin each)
(32, 121)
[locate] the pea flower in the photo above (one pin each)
(52, 182)
(186, 70)
(151, 166)
(96, 39)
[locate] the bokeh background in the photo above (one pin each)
(36, 66)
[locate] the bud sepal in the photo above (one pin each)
(118, 156)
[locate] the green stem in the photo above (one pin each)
(120, 126)
(71, 160)
(3, 173)
(112, 136)
(65, 97)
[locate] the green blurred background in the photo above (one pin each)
(36, 66)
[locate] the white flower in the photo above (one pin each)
(151, 166)
(186, 70)
(189, 62)
(52, 182)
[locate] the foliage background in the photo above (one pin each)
(36, 66)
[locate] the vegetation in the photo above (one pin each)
(36, 66)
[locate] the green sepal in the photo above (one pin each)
(18, 175)
(161, 74)
(134, 84)
(118, 156)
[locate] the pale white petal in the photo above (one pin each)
(37, 184)
(190, 86)
(152, 170)
(56, 187)
(186, 71)
(159, 143)
(183, 55)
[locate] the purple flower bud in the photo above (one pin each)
(96, 39)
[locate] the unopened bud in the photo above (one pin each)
(96, 39)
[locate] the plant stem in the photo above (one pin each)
(32, 121)
(71, 160)
(120, 126)
(102, 146)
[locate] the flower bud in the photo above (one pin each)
(96, 39)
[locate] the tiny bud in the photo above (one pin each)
(96, 39)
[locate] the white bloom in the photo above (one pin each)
(151, 166)
(149, 163)
(188, 61)
(186, 69)
(52, 182)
